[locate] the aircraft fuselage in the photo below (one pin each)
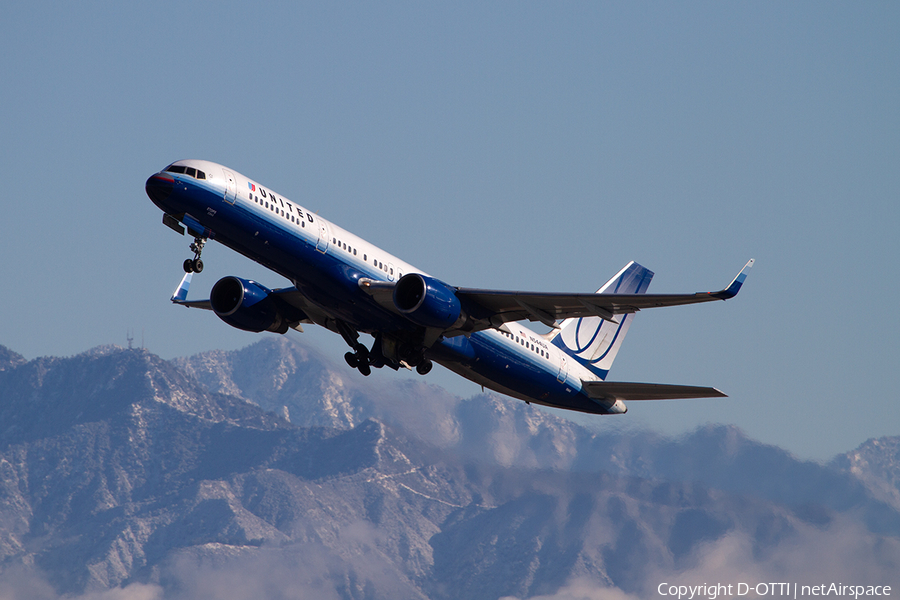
(326, 263)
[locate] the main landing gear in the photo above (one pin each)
(359, 360)
(195, 265)
(424, 367)
(360, 357)
(364, 360)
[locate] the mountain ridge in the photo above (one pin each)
(119, 469)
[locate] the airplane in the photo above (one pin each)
(350, 286)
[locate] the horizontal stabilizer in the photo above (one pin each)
(620, 390)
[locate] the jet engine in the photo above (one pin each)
(427, 301)
(247, 305)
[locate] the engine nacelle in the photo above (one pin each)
(246, 305)
(427, 301)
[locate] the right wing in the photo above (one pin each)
(498, 307)
(488, 309)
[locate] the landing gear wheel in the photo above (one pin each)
(197, 265)
(424, 367)
(188, 265)
(362, 355)
(362, 360)
(351, 360)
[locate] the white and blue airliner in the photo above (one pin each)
(344, 283)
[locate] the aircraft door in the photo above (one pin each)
(230, 186)
(322, 242)
(563, 368)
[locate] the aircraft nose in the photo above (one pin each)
(159, 187)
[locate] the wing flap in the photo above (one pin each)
(620, 390)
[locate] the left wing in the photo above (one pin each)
(289, 296)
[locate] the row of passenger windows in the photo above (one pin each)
(528, 345)
(190, 171)
(343, 245)
(289, 215)
(350, 249)
(302, 222)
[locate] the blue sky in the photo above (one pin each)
(518, 145)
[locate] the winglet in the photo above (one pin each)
(179, 296)
(735, 286)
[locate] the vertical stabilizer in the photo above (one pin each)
(593, 341)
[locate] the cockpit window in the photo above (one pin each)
(190, 171)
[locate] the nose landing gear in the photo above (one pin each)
(195, 265)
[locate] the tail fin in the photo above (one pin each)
(593, 341)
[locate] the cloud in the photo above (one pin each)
(583, 589)
(23, 583)
(842, 552)
(135, 591)
(352, 565)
